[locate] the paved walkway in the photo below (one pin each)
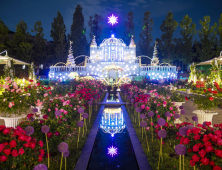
(189, 108)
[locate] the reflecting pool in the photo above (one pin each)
(112, 147)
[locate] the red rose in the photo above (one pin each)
(192, 163)
(1, 147)
(49, 88)
(7, 151)
(22, 137)
(218, 153)
(26, 145)
(205, 91)
(195, 158)
(49, 134)
(45, 117)
(2, 127)
(6, 131)
(13, 144)
(186, 98)
(32, 145)
(196, 148)
(3, 158)
(40, 143)
(217, 168)
(50, 92)
(211, 98)
(209, 149)
(202, 153)
(196, 137)
(14, 153)
(40, 158)
(197, 86)
(209, 89)
(42, 121)
(212, 163)
(42, 151)
(21, 151)
(189, 150)
(25, 89)
(205, 161)
(38, 84)
(186, 141)
(30, 80)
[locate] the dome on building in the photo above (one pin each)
(112, 40)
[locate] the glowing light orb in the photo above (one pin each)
(112, 151)
(112, 20)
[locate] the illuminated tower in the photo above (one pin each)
(70, 59)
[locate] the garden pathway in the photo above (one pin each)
(189, 108)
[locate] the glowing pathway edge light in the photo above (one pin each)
(112, 20)
(112, 151)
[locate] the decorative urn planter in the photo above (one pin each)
(12, 121)
(203, 116)
(179, 103)
(188, 91)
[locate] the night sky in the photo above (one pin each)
(45, 10)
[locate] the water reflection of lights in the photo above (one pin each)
(112, 151)
(112, 121)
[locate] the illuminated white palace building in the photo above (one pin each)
(112, 53)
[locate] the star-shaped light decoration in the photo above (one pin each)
(112, 151)
(112, 20)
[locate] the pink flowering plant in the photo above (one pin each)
(12, 100)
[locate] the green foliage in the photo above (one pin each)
(60, 45)
(144, 45)
(3, 36)
(77, 34)
(96, 27)
(165, 44)
(188, 30)
(177, 97)
(21, 43)
(129, 28)
(40, 47)
(219, 32)
(207, 39)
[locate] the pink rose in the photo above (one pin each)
(65, 112)
(156, 111)
(49, 110)
(158, 116)
(171, 108)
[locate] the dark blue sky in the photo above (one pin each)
(45, 10)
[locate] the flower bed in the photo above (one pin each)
(168, 145)
(67, 118)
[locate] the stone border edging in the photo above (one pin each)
(84, 157)
(141, 158)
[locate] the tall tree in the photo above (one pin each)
(3, 36)
(144, 45)
(40, 45)
(77, 34)
(165, 44)
(219, 32)
(60, 45)
(22, 43)
(207, 39)
(188, 30)
(96, 27)
(129, 28)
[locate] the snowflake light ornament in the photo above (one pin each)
(112, 20)
(112, 151)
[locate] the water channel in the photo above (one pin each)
(112, 148)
